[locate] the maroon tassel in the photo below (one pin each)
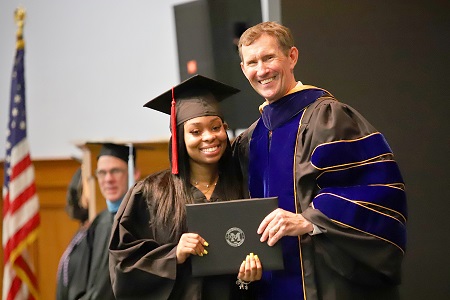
(173, 124)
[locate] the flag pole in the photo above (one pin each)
(20, 202)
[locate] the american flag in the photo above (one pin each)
(20, 201)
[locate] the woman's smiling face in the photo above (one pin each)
(205, 139)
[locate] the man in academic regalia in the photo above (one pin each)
(113, 178)
(342, 206)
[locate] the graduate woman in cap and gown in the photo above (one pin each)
(150, 247)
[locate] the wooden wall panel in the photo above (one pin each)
(56, 228)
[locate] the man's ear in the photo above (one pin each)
(293, 55)
(242, 68)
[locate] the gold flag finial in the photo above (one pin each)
(19, 17)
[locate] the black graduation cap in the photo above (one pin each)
(116, 150)
(195, 97)
(127, 153)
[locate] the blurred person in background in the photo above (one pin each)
(73, 266)
(114, 163)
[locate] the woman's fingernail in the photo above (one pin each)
(205, 244)
(205, 252)
(256, 256)
(201, 254)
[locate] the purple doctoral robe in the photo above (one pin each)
(327, 162)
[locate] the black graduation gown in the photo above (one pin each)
(142, 267)
(99, 233)
(73, 269)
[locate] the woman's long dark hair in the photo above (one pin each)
(170, 193)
